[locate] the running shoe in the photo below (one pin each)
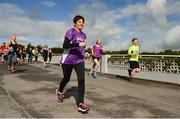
(59, 96)
(90, 73)
(131, 79)
(83, 107)
(94, 75)
(13, 70)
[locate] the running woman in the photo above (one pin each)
(96, 55)
(45, 51)
(50, 55)
(133, 52)
(12, 55)
(5, 51)
(73, 58)
(30, 55)
(35, 53)
(23, 55)
(1, 51)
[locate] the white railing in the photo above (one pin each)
(163, 68)
(153, 63)
(148, 63)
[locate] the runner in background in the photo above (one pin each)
(30, 55)
(35, 53)
(1, 51)
(44, 52)
(133, 53)
(96, 55)
(5, 51)
(12, 54)
(50, 55)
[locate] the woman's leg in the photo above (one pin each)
(79, 68)
(67, 70)
(96, 65)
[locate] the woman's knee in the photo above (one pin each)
(97, 64)
(137, 70)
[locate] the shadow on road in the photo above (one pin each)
(72, 92)
(21, 70)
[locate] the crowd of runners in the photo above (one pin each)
(12, 54)
(73, 57)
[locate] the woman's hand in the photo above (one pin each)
(82, 44)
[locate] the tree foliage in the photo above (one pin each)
(59, 50)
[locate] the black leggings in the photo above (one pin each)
(36, 58)
(50, 57)
(67, 70)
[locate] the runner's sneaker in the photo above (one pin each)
(59, 96)
(131, 79)
(90, 73)
(94, 75)
(13, 70)
(83, 107)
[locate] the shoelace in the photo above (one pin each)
(61, 95)
(84, 105)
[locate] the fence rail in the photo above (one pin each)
(154, 63)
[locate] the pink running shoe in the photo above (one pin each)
(59, 96)
(83, 107)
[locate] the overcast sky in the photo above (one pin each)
(156, 23)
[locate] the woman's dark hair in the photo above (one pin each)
(134, 39)
(78, 17)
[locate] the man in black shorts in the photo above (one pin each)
(133, 53)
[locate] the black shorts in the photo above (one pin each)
(45, 58)
(134, 64)
(93, 58)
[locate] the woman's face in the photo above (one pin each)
(79, 24)
(14, 38)
(98, 42)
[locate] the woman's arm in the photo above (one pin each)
(68, 44)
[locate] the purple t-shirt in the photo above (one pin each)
(74, 55)
(97, 49)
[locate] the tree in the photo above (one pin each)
(30, 46)
(20, 46)
(168, 52)
(57, 50)
(89, 50)
(39, 47)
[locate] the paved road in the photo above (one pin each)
(31, 93)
